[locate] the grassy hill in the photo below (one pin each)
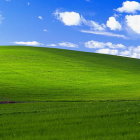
(68, 95)
(30, 73)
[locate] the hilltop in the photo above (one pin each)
(48, 74)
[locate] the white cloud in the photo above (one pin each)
(133, 21)
(68, 44)
(129, 7)
(64, 44)
(104, 33)
(69, 18)
(40, 17)
(117, 46)
(97, 45)
(136, 50)
(52, 45)
(133, 52)
(113, 24)
(125, 53)
(32, 43)
(94, 44)
(108, 51)
(113, 49)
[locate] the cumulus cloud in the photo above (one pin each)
(125, 53)
(133, 21)
(97, 45)
(113, 24)
(94, 44)
(133, 52)
(104, 33)
(69, 18)
(32, 43)
(113, 49)
(129, 7)
(63, 44)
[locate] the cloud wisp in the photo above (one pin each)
(28, 43)
(63, 44)
(105, 34)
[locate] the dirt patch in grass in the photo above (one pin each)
(18, 102)
(7, 102)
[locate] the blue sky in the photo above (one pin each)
(101, 26)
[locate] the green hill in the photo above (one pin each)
(54, 94)
(31, 73)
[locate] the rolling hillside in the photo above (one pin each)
(53, 94)
(45, 74)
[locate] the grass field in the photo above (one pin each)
(68, 95)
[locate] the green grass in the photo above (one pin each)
(87, 96)
(70, 121)
(29, 73)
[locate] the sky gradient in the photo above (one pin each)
(110, 27)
